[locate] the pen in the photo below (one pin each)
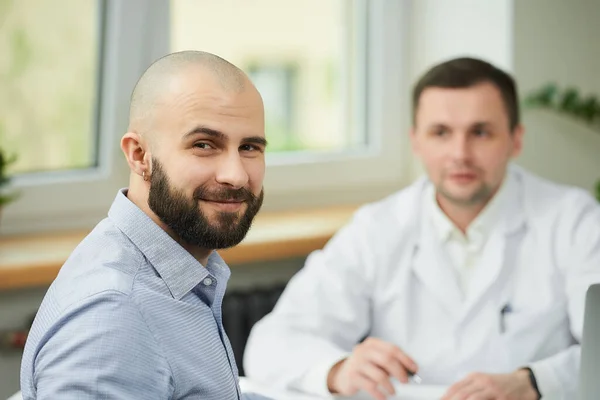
(506, 309)
(415, 378)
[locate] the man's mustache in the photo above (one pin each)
(225, 194)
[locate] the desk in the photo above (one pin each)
(404, 392)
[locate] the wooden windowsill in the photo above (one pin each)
(29, 261)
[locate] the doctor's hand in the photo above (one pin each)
(369, 368)
(478, 386)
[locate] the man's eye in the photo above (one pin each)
(441, 132)
(481, 132)
(249, 147)
(204, 146)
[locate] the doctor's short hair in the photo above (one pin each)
(465, 72)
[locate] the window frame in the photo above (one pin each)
(313, 179)
(130, 39)
(136, 33)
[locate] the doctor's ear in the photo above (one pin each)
(137, 154)
(517, 136)
(414, 143)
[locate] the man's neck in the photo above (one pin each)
(199, 254)
(141, 200)
(461, 215)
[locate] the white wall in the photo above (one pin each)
(555, 40)
(443, 29)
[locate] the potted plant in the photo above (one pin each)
(568, 102)
(6, 196)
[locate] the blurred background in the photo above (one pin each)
(335, 76)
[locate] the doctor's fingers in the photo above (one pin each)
(473, 380)
(484, 394)
(472, 389)
(394, 351)
(456, 388)
(472, 393)
(390, 357)
(378, 376)
(389, 363)
(369, 386)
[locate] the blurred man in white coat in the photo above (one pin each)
(473, 277)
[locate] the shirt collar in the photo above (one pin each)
(180, 271)
(484, 222)
(441, 223)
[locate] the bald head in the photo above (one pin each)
(161, 79)
(196, 149)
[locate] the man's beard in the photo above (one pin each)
(481, 196)
(186, 219)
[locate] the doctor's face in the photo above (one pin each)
(464, 140)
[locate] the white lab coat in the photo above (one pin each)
(383, 275)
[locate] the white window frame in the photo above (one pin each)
(384, 165)
(136, 33)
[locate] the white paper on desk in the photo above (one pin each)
(403, 392)
(248, 386)
(407, 392)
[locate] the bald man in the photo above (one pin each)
(135, 312)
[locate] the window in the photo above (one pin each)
(299, 55)
(65, 106)
(49, 80)
(332, 74)
(278, 85)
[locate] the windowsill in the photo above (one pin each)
(30, 261)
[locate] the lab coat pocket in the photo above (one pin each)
(531, 334)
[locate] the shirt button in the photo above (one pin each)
(207, 282)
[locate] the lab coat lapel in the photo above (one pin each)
(434, 271)
(487, 272)
(500, 256)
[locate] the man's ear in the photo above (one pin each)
(517, 134)
(136, 153)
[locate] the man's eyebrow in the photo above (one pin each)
(203, 130)
(482, 124)
(478, 124)
(438, 125)
(259, 140)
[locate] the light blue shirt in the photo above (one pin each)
(131, 315)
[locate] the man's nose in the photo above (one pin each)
(461, 146)
(231, 171)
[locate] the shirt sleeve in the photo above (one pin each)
(578, 247)
(101, 349)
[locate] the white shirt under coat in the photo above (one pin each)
(465, 250)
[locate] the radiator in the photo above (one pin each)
(241, 310)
